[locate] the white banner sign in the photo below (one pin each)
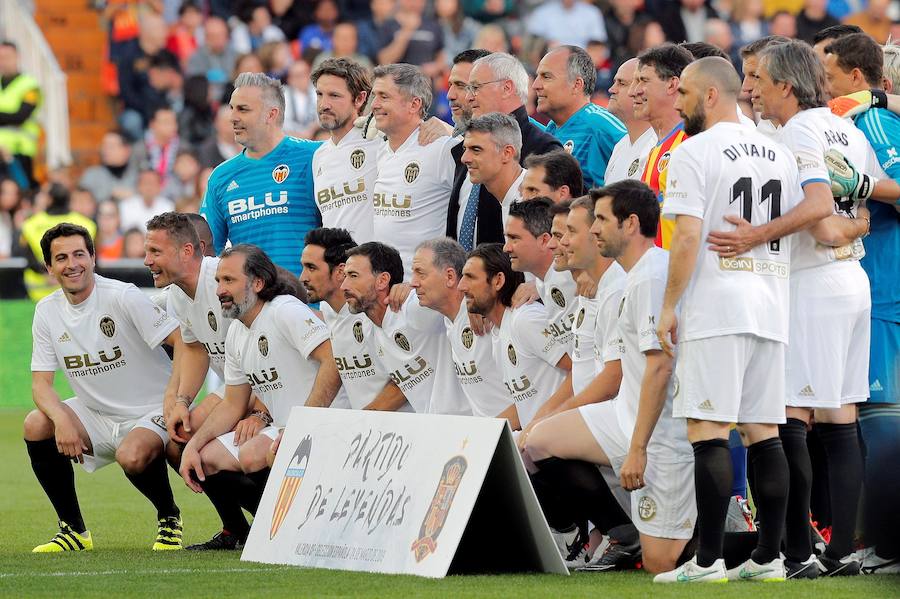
(394, 492)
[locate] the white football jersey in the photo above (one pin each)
(809, 134)
(108, 347)
(412, 346)
(475, 367)
(642, 299)
(628, 160)
(273, 354)
(596, 336)
(558, 292)
(732, 170)
(201, 318)
(769, 129)
(353, 345)
(344, 178)
(412, 194)
(527, 354)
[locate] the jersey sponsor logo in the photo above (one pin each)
(159, 421)
(466, 369)
(876, 386)
(102, 363)
(411, 173)
(211, 319)
(646, 508)
(263, 345)
(706, 406)
(401, 341)
(280, 173)
(416, 372)
(264, 380)
(467, 337)
(232, 186)
(108, 326)
(558, 298)
(892, 158)
(358, 331)
(357, 158)
(343, 363)
(511, 354)
(348, 195)
(633, 167)
(437, 512)
(807, 391)
(768, 268)
(663, 162)
(518, 389)
(290, 484)
(569, 146)
(64, 337)
(580, 320)
(243, 209)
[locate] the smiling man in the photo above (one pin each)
(264, 195)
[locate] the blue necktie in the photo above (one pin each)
(467, 230)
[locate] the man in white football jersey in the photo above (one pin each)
(352, 335)
(629, 155)
(345, 166)
(437, 268)
(730, 365)
(276, 348)
(172, 253)
(826, 366)
(411, 344)
(414, 180)
(749, 63)
(105, 336)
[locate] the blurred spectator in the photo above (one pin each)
(20, 98)
(600, 55)
(116, 175)
(133, 244)
(813, 18)
(367, 29)
(275, 58)
(317, 35)
(413, 38)
(620, 17)
(183, 182)
(491, 38)
(160, 145)
(137, 210)
(747, 22)
(138, 96)
(254, 28)
(894, 32)
(109, 234)
(290, 15)
(221, 146)
(684, 21)
(873, 19)
(10, 202)
(300, 117)
(459, 30)
(167, 81)
(647, 35)
(488, 11)
(567, 22)
(195, 121)
(718, 33)
(216, 58)
(245, 63)
(344, 44)
(355, 10)
(182, 40)
(783, 23)
(83, 202)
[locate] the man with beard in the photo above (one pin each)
(276, 348)
(346, 165)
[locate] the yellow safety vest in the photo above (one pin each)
(22, 139)
(40, 284)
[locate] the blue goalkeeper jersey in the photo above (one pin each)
(882, 260)
(268, 201)
(590, 136)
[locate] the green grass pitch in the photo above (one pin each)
(123, 525)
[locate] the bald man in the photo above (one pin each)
(629, 156)
(733, 313)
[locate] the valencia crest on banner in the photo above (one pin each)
(400, 493)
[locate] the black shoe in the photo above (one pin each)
(615, 557)
(797, 570)
(846, 566)
(577, 550)
(222, 541)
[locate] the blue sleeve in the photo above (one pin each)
(882, 129)
(211, 210)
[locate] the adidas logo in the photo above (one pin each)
(64, 337)
(807, 391)
(706, 406)
(876, 386)
(232, 185)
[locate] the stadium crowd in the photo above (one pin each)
(670, 266)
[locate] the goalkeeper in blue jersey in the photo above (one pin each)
(855, 64)
(264, 195)
(564, 83)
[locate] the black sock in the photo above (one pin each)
(259, 479)
(153, 482)
(738, 547)
(712, 480)
(555, 508)
(224, 492)
(772, 485)
(797, 542)
(845, 476)
(54, 471)
(819, 500)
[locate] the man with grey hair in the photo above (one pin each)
(264, 195)
(564, 83)
(437, 269)
(414, 180)
(749, 63)
(826, 366)
(492, 146)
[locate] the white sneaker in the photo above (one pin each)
(873, 564)
(690, 571)
(739, 517)
(564, 540)
(751, 571)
